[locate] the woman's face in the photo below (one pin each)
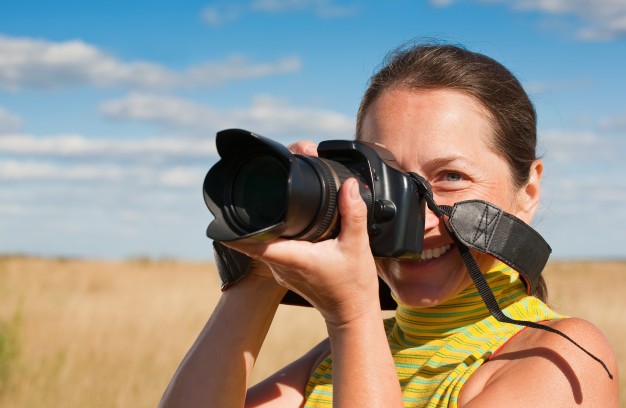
(445, 136)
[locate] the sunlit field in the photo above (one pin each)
(77, 333)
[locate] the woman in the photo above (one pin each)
(462, 121)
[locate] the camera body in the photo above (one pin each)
(395, 207)
(259, 191)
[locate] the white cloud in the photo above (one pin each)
(164, 110)
(165, 162)
(33, 63)
(321, 8)
(605, 18)
(563, 85)
(583, 192)
(583, 173)
(616, 123)
(583, 147)
(601, 19)
(217, 16)
(98, 174)
(565, 147)
(17, 170)
(266, 115)
(67, 208)
(8, 121)
(584, 197)
(180, 176)
(41, 64)
(237, 68)
(83, 148)
(441, 3)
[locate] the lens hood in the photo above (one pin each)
(291, 195)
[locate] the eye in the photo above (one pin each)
(450, 180)
(452, 176)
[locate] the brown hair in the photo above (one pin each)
(434, 66)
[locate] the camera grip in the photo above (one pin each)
(232, 265)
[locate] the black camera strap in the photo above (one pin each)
(488, 229)
(485, 227)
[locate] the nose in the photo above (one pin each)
(431, 221)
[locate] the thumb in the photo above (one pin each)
(353, 211)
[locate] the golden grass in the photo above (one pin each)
(110, 334)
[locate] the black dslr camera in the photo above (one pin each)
(260, 191)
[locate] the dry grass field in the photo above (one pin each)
(77, 333)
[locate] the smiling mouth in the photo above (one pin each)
(432, 253)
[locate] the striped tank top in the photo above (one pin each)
(436, 349)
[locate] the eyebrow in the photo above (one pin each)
(445, 160)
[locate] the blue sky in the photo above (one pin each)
(108, 110)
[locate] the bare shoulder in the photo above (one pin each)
(541, 368)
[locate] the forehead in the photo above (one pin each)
(437, 108)
(429, 122)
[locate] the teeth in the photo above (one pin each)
(434, 252)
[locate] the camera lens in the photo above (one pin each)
(259, 192)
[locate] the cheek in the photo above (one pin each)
(507, 199)
(500, 190)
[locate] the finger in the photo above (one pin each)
(353, 213)
(284, 252)
(305, 147)
(253, 250)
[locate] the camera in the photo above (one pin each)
(259, 191)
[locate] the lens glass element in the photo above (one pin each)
(259, 192)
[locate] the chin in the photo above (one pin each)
(425, 283)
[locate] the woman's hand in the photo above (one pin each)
(256, 267)
(337, 276)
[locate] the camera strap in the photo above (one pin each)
(486, 228)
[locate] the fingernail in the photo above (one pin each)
(310, 149)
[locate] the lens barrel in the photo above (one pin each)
(331, 175)
(261, 191)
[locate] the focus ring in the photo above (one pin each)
(328, 210)
(343, 173)
(338, 174)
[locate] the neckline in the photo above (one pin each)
(417, 326)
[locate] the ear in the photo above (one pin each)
(528, 195)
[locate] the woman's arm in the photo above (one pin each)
(216, 370)
(338, 277)
(364, 372)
